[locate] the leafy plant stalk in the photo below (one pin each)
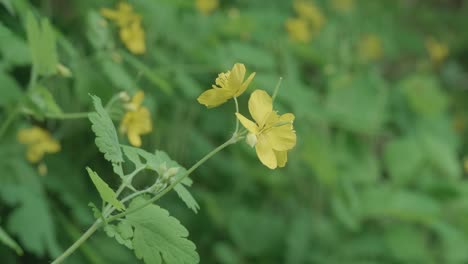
(99, 223)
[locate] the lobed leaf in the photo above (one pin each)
(160, 238)
(106, 135)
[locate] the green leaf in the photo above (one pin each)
(106, 135)
(13, 49)
(8, 241)
(424, 95)
(42, 44)
(42, 102)
(357, 103)
(107, 194)
(9, 89)
(187, 197)
(122, 232)
(158, 237)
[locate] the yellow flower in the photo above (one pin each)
(298, 30)
(343, 5)
(228, 85)
(122, 16)
(38, 142)
(438, 51)
(129, 22)
(370, 48)
(136, 121)
(133, 37)
(311, 13)
(271, 134)
(206, 6)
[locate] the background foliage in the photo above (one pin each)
(376, 177)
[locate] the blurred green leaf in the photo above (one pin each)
(41, 39)
(358, 103)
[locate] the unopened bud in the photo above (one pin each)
(63, 71)
(251, 139)
(124, 96)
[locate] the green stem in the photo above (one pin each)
(78, 242)
(68, 115)
(276, 89)
(237, 119)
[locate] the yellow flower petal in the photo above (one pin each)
(214, 97)
(251, 126)
(134, 138)
(281, 158)
(228, 84)
(137, 99)
(265, 153)
(245, 84)
(34, 154)
(38, 142)
(260, 106)
(298, 30)
(282, 137)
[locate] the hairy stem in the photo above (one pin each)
(78, 242)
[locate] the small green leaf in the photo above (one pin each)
(96, 212)
(107, 194)
(187, 197)
(123, 233)
(106, 135)
(160, 238)
(8, 241)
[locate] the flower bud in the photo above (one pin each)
(251, 139)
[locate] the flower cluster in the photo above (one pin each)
(129, 22)
(137, 120)
(307, 24)
(38, 142)
(271, 134)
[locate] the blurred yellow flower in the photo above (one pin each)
(298, 30)
(38, 142)
(343, 5)
(308, 23)
(438, 51)
(206, 6)
(122, 16)
(129, 22)
(309, 12)
(133, 37)
(370, 48)
(271, 134)
(137, 120)
(228, 85)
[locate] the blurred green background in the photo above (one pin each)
(379, 90)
